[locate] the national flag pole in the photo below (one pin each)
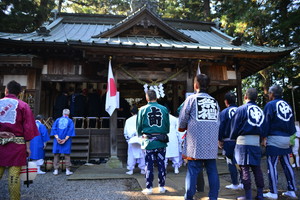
(110, 106)
(111, 94)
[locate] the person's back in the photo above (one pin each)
(38, 144)
(172, 150)
(17, 128)
(278, 127)
(93, 103)
(199, 116)
(80, 106)
(63, 130)
(153, 125)
(201, 113)
(246, 128)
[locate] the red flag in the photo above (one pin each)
(111, 95)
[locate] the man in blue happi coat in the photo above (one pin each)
(246, 129)
(63, 131)
(225, 142)
(279, 126)
(38, 144)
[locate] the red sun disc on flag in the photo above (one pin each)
(112, 87)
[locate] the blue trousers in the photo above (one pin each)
(246, 180)
(194, 168)
(233, 171)
(288, 171)
(157, 155)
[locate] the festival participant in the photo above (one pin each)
(279, 126)
(134, 154)
(296, 147)
(225, 143)
(199, 116)
(38, 144)
(63, 131)
(172, 150)
(17, 128)
(246, 129)
(154, 125)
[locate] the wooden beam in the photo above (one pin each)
(238, 84)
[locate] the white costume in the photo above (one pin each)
(135, 153)
(174, 145)
(296, 146)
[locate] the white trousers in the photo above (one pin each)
(296, 151)
(177, 161)
(135, 156)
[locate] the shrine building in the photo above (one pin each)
(73, 51)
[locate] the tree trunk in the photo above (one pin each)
(207, 10)
(59, 5)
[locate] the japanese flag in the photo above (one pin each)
(111, 95)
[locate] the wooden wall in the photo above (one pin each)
(89, 144)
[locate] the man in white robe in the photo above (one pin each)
(135, 153)
(173, 148)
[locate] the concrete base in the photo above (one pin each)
(114, 163)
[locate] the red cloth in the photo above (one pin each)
(17, 118)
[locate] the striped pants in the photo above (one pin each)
(273, 176)
(14, 186)
(157, 155)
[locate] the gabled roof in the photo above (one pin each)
(79, 29)
(145, 18)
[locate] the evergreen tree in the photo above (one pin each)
(25, 15)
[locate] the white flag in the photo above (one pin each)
(198, 70)
(111, 94)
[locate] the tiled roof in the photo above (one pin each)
(62, 31)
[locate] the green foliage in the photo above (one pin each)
(182, 9)
(23, 16)
(271, 23)
(114, 7)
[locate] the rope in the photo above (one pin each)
(152, 82)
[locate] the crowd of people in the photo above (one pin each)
(241, 132)
(154, 135)
(23, 138)
(86, 103)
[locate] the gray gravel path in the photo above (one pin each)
(50, 187)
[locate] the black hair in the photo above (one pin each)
(39, 117)
(14, 87)
(230, 97)
(251, 94)
(151, 95)
(203, 80)
(134, 110)
(276, 90)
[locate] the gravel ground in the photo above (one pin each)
(50, 187)
(282, 184)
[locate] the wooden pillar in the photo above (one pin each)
(113, 123)
(238, 84)
(189, 80)
(175, 96)
(38, 88)
(114, 161)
